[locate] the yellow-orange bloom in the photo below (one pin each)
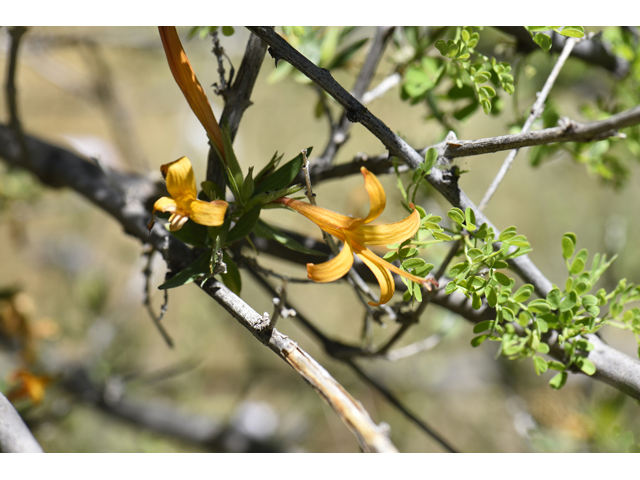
(29, 386)
(356, 235)
(188, 82)
(184, 204)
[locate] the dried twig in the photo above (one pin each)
(147, 272)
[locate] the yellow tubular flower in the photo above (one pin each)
(356, 235)
(188, 82)
(184, 204)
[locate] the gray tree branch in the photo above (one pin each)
(124, 197)
(15, 436)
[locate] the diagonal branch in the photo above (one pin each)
(15, 436)
(126, 201)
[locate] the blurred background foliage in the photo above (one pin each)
(72, 288)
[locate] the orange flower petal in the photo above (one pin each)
(331, 222)
(165, 204)
(377, 197)
(181, 182)
(210, 214)
(189, 84)
(390, 233)
(373, 258)
(387, 285)
(334, 269)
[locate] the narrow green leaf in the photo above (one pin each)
(492, 297)
(575, 32)
(232, 278)
(282, 177)
(507, 233)
(264, 230)
(196, 269)
(470, 218)
(430, 159)
(244, 226)
(477, 341)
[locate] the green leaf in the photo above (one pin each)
(264, 230)
(457, 269)
(559, 380)
(232, 278)
(487, 91)
(492, 297)
(507, 233)
(430, 159)
(544, 41)
(585, 365)
(569, 301)
(483, 326)
(554, 365)
(196, 269)
(244, 226)
(477, 341)
(502, 278)
(476, 301)
(282, 177)
(233, 170)
(523, 293)
(345, 54)
(553, 298)
(228, 31)
(441, 236)
(575, 32)
(540, 364)
(568, 245)
(247, 184)
(470, 217)
(539, 306)
(442, 47)
(456, 215)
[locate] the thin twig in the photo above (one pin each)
(383, 87)
(344, 352)
(147, 272)
(536, 111)
(11, 91)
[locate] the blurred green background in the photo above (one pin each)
(81, 283)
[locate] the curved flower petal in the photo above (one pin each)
(387, 285)
(186, 79)
(210, 214)
(181, 182)
(364, 252)
(331, 222)
(165, 204)
(335, 268)
(390, 233)
(377, 197)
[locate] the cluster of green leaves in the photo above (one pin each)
(543, 40)
(473, 77)
(523, 328)
(251, 193)
(328, 47)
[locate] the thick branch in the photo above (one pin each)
(15, 436)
